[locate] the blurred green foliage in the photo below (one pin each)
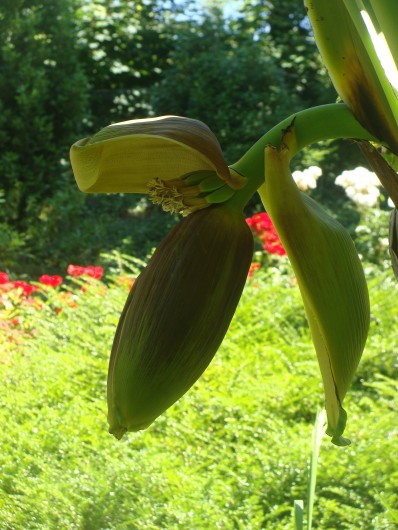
(69, 67)
(232, 453)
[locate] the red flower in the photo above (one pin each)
(260, 222)
(75, 270)
(263, 228)
(3, 278)
(90, 270)
(52, 281)
(272, 243)
(94, 272)
(27, 289)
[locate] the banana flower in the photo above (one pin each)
(180, 306)
(177, 160)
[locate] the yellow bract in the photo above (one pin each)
(125, 157)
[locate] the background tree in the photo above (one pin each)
(124, 51)
(66, 68)
(70, 67)
(286, 25)
(43, 103)
(227, 79)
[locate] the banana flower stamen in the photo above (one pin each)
(189, 193)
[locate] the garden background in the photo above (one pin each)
(234, 452)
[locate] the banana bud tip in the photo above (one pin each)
(335, 432)
(340, 441)
(118, 430)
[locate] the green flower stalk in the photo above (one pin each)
(176, 315)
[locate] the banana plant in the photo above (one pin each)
(362, 58)
(353, 63)
(180, 307)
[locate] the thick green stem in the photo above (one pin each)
(309, 126)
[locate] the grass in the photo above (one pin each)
(231, 454)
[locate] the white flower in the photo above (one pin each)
(307, 178)
(361, 186)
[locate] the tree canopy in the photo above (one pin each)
(70, 67)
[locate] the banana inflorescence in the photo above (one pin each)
(330, 277)
(181, 305)
(176, 315)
